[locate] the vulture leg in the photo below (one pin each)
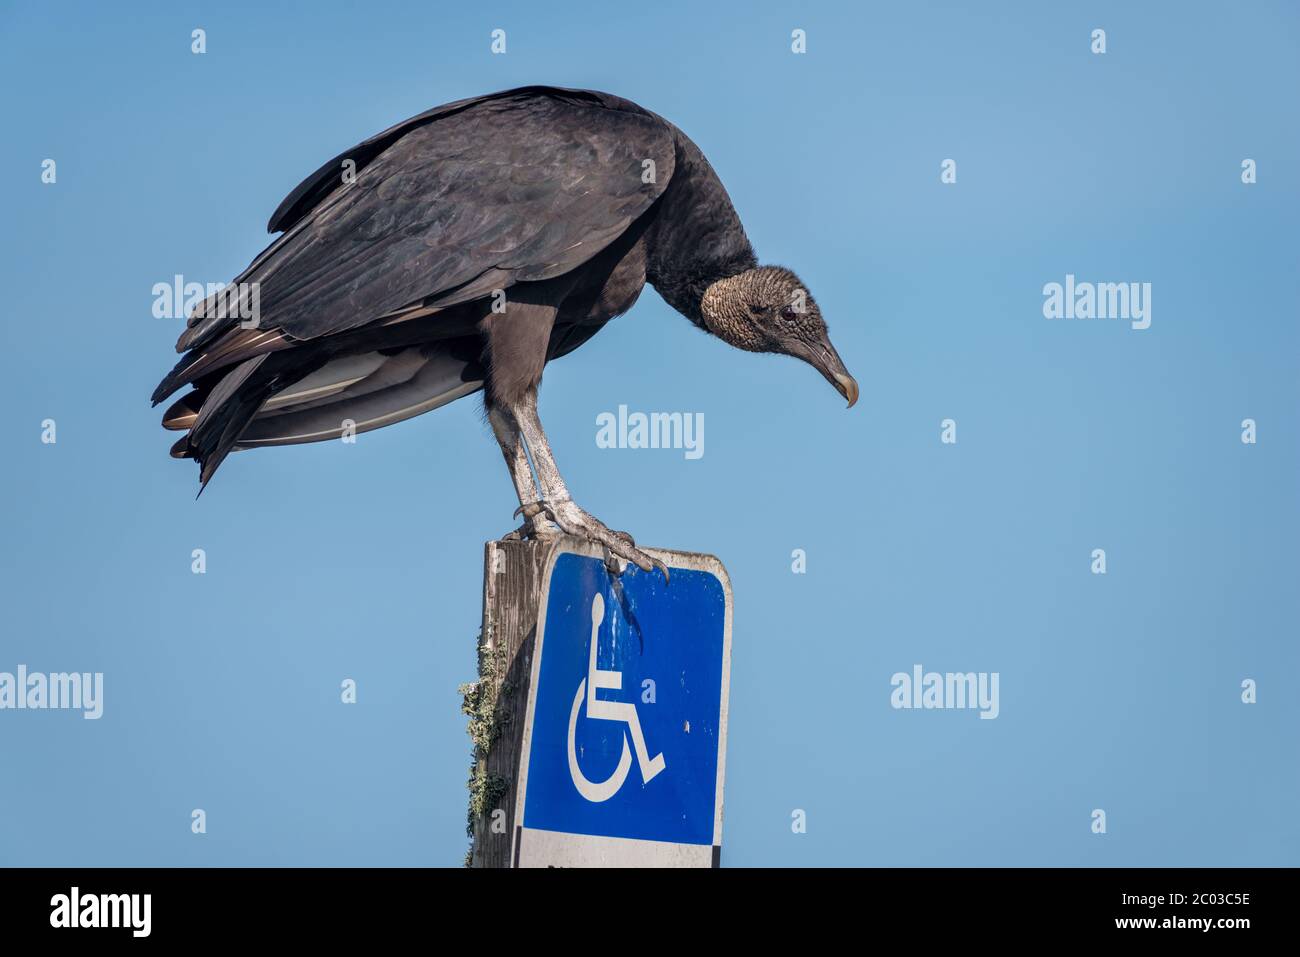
(506, 429)
(557, 504)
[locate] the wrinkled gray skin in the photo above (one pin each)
(467, 247)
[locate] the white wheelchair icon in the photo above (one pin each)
(596, 791)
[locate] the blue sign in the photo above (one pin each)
(626, 729)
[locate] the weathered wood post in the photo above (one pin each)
(512, 581)
(627, 665)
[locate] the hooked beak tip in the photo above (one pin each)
(848, 386)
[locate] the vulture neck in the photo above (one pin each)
(696, 237)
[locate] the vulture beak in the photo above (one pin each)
(848, 387)
(827, 361)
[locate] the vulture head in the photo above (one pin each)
(768, 309)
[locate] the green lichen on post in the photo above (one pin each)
(479, 703)
(485, 790)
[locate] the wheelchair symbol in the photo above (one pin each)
(596, 791)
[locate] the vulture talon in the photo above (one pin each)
(532, 528)
(530, 532)
(662, 568)
(574, 521)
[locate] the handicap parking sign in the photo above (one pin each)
(625, 737)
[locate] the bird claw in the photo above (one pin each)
(574, 521)
(533, 509)
(532, 528)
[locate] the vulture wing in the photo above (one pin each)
(448, 206)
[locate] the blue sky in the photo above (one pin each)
(1119, 691)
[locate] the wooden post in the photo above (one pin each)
(512, 581)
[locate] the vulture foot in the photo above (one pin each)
(574, 521)
(539, 522)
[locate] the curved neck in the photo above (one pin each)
(696, 237)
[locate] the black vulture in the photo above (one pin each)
(463, 249)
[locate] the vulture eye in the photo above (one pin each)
(788, 314)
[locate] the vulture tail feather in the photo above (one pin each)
(231, 405)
